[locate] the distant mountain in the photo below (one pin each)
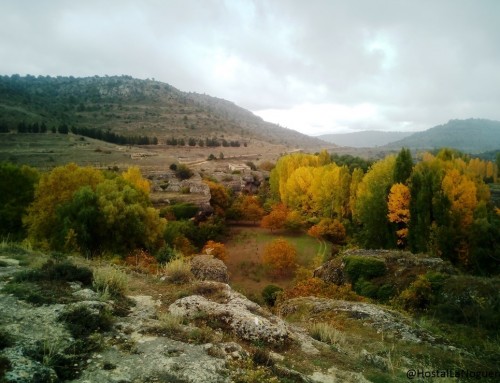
(472, 136)
(125, 106)
(364, 139)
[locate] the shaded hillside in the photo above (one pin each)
(365, 139)
(132, 107)
(472, 135)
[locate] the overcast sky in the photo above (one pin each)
(315, 66)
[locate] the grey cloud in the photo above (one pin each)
(421, 63)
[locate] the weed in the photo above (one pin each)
(82, 321)
(325, 332)
(177, 271)
(110, 281)
(201, 335)
(56, 271)
(171, 324)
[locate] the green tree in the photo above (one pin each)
(403, 166)
(54, 189)
(371, 205)
(17, 190)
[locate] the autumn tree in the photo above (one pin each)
(134, 176)
(217, 249)
(330, 229)
(276, 219)
(248, 208)
(280, 257)
(54, 189)
(398, 205)
(219, 198)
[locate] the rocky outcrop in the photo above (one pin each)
(207, 268)
(244, 318)
(383, 320)
(399, 264)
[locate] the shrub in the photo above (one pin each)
(358, 267)
(82, 321)
(171, 324)
(270, 294)
(165, 254)
(183, 172)
(319, 288)
(365, 288)
(110, 280)
(57, 271)
(142, 261)
(184, 210)
(418, 296)
(217, 249)
(178, 271)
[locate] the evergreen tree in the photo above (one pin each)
(403, 166)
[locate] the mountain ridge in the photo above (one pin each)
(128, 106)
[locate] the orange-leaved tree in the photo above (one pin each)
(217, 249)
(280, 257)
(276, 219)
(330, 229)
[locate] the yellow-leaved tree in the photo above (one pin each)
(398, 206)
(54, 189)
(134, 176)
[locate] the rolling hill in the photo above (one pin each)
(364, 139)
(471, 135)
(131, 107)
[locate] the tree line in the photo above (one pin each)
(440, 205)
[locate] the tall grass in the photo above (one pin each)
(110, 281)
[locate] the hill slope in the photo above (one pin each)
(365, 139)
(471, 135)
(130, 107)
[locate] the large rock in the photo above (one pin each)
(246, 319)
(207, 268)
(403, 266)
(383, 320)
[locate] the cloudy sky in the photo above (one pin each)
(317, 66)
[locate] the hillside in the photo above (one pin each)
(131, 107)
(471, 135)
(365, 139)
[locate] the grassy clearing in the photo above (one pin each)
(245, 248)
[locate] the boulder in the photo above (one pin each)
(207, 268)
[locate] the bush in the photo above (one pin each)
(57, 271)
(183, 172)
(368, 268)
(82, 321)
(418, 296)
(366, 288)
(270, 294)
(178, 271)
(280, 256)
(110, 280)
(184, 210)
(165, 255)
